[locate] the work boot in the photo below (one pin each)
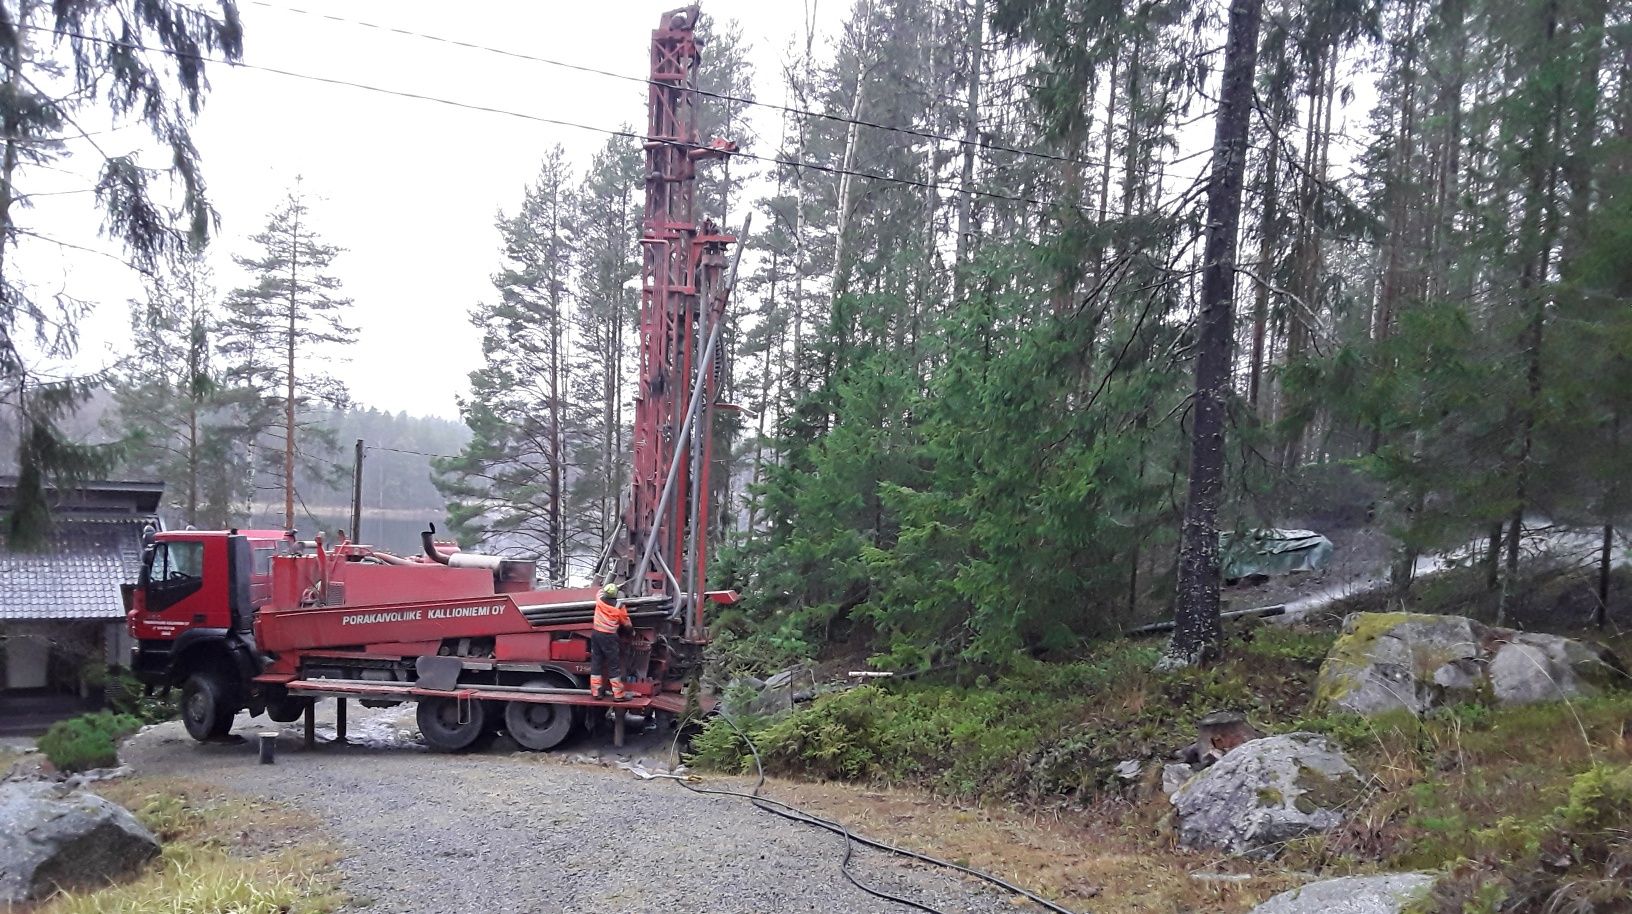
(624, 697)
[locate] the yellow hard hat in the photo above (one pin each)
(610, 591)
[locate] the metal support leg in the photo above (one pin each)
(339, 720)
(311, 725)
(617, 728)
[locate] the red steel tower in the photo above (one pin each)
(683, 296)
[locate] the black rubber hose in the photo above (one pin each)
(851, 839)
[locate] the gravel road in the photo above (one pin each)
(520, 832)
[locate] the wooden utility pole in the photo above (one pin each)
(357, 495)
(971, 140)
(1198, 631)
(289, 379)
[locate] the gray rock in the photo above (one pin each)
(1174, 774)
(1529, 667)
(1388, 893)
(1415, 662)
(1129, 770)
(1265, 793)
(783, 690)
(52, 837)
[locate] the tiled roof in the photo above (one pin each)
(77, 575)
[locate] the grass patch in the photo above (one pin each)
(1473, 782)
(1109, 856)
(224, 854)
(87, 741)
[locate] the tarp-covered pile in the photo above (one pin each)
(1269, 551)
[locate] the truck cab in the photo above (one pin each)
(191, 615)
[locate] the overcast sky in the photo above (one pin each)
(410, 188)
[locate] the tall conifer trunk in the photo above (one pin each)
(1198, 632)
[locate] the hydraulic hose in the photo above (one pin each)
(851, 839)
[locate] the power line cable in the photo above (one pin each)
(471, 106)
(721, 96)
(398, 450)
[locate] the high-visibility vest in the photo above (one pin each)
(608, 617)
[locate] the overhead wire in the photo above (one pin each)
(558, 122)
(706, 93)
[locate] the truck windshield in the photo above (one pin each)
(178, 561)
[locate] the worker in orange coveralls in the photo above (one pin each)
(605, 649)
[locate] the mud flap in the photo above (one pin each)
(437, 673)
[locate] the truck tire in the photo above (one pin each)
(451, 725)
(538, 726)
(206, 708)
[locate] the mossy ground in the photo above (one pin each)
(223, 854)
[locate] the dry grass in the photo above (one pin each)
(224, 854)
(1113, 856)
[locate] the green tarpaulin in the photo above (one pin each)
(1270, 552)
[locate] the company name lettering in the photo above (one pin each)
(418, 615)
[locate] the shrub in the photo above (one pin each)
(1600, 798)
(87, 741)
(127, 696)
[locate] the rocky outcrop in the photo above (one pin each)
(1265, 793)
(1388, 893)
(1415, 662)
(53, 837)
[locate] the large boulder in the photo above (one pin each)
(53, 837)
(1415, 662)
(1387, 893)
(1267, 792)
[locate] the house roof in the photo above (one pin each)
(77, 575)
(117, 496)
(94, 545)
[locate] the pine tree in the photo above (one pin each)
(509, 486)
(606, 267)
(179, 417)
(277, 332)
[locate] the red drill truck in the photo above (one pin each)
(259, 620)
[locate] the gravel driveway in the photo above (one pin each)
(519, 832)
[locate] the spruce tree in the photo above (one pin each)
(63, 61)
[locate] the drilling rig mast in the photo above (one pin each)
(684, 288)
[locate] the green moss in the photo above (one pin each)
(1269, 796)
(1351, 652)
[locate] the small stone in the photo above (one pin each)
(1174, 774)
(1129, 770)
(1387, 893)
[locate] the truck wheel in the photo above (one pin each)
(537, 726)
(450, 725)
(206, 710)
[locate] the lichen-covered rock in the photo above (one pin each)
(1265, 793)
(53, 837)
(1387, 893)
(1415, 662)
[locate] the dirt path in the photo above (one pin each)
(517, 832)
